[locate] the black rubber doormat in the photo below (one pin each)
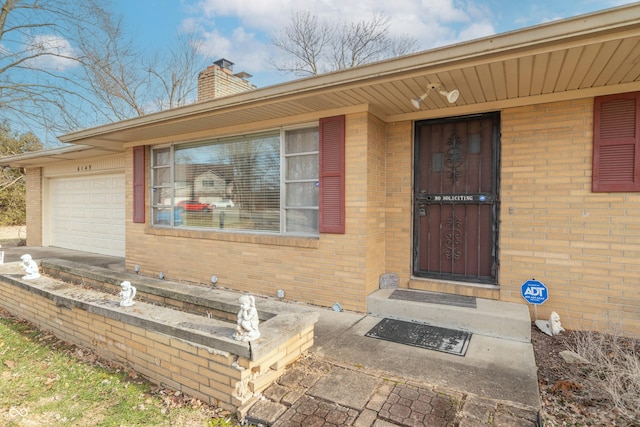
(420, 335)
(434, 298)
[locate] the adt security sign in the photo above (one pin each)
(534, 291)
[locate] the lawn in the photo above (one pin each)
(47, 382)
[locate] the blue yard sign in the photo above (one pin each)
(535, 292)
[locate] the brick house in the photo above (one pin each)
(533, 171)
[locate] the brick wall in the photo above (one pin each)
(209, 374)
(583, 246)
(34, 206)
(398, 218)
(322, 271)
(376, 196)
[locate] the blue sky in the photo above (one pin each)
(240, 30)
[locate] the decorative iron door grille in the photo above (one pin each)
(456, 181)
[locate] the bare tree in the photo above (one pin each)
(12, 182)
(175, 73)
(129, 83)
(68, 64)
(34, 52)
(312, 46)
(304, 42)
(112, 72)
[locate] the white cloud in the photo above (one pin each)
(263, 15)
(239, 47)
(51, 53)
(476, 30)
(189, 24)
(240, 30)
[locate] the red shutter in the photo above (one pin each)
(616, 143)
(332, 176)
(138, 184)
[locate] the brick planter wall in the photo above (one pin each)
(189, 353)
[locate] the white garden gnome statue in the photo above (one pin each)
(126, 294)
(552, 326)
(247, 327)
(30, 267)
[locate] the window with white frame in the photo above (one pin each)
(301, 181)
(262, 182)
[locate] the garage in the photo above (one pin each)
(87, 214)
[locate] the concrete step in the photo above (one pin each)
(499, 319)
(492, 368)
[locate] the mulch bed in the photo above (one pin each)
(566, 395)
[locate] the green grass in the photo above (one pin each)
(44, 381)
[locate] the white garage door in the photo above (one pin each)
(87, 214)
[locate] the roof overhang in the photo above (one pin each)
(45, 157)
(579, 57)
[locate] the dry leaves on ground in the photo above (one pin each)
(574, 395)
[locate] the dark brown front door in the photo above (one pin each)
(456, 198)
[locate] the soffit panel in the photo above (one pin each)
(554, 67)
(621, 63)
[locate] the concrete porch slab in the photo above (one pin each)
(493, 368)
(498, 319)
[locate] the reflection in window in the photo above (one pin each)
(264, 182)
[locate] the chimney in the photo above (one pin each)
(218, 80)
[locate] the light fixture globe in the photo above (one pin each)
(417, 102)
(452, 96)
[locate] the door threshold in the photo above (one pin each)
(478, 290)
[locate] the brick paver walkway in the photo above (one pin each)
(308, 395)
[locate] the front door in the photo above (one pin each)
(455, 198)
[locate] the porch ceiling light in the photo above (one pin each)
(452, 95)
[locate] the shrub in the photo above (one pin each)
(613, 372)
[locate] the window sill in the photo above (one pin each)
(258, 239)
